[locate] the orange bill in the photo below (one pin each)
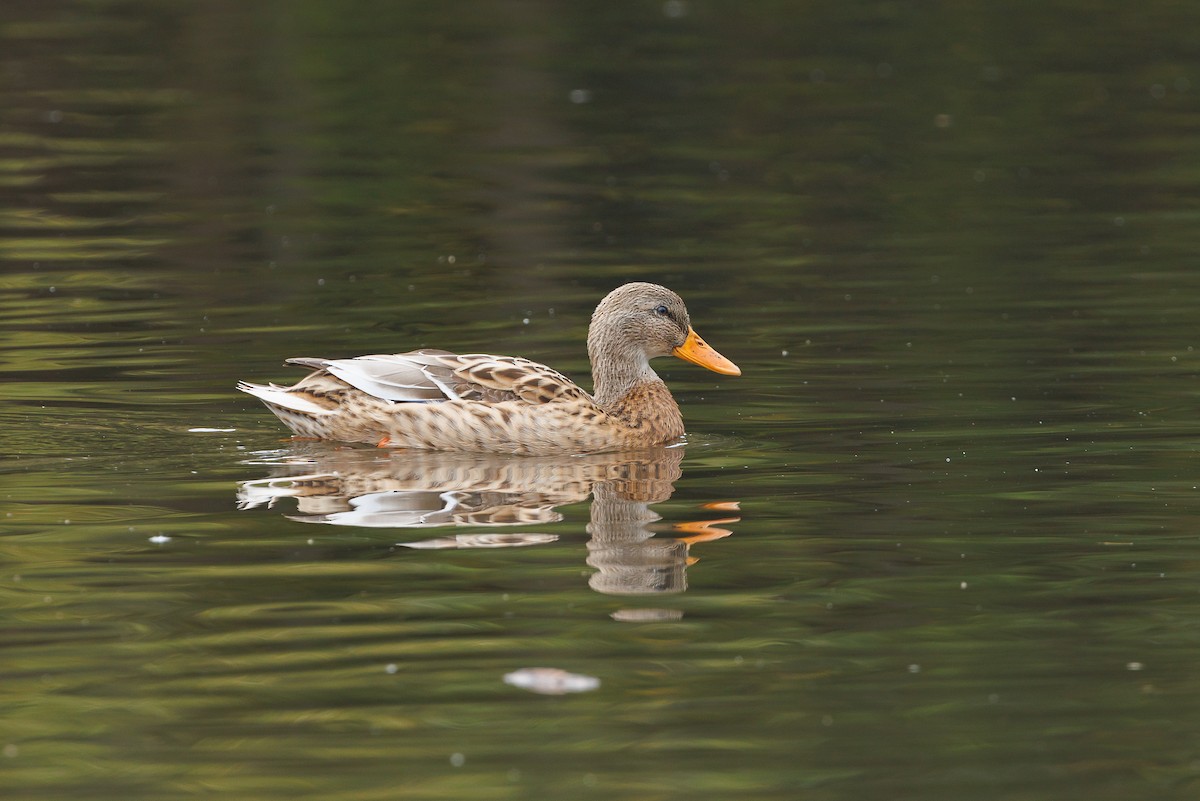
(696, 350)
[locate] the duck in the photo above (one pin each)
(477, 402)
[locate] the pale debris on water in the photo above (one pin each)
(211, 430)
(646, 615)
(551, 681)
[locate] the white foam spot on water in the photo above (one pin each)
(551, 681)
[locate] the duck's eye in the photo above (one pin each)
(662, 311)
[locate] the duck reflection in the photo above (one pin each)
(426, 489)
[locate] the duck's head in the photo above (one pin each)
(640, 321)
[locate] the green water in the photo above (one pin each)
(938, 540)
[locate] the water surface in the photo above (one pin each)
(938, 539)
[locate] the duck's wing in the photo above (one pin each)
(419, 376)
(429, 376)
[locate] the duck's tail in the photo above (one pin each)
(276, 396)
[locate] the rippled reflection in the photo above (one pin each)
(419, 489)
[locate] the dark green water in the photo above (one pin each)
(938, 541)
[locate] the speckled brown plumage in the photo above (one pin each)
(437, 400)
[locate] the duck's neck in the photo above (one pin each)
(615, 373)
(627, 388)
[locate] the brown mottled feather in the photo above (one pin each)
(437, 400)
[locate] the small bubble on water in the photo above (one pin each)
(391, 668)
(1134, 666)
(579, 96)
(457, 760)
(674, 9)
(914, 668)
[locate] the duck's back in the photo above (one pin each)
(436, 400)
